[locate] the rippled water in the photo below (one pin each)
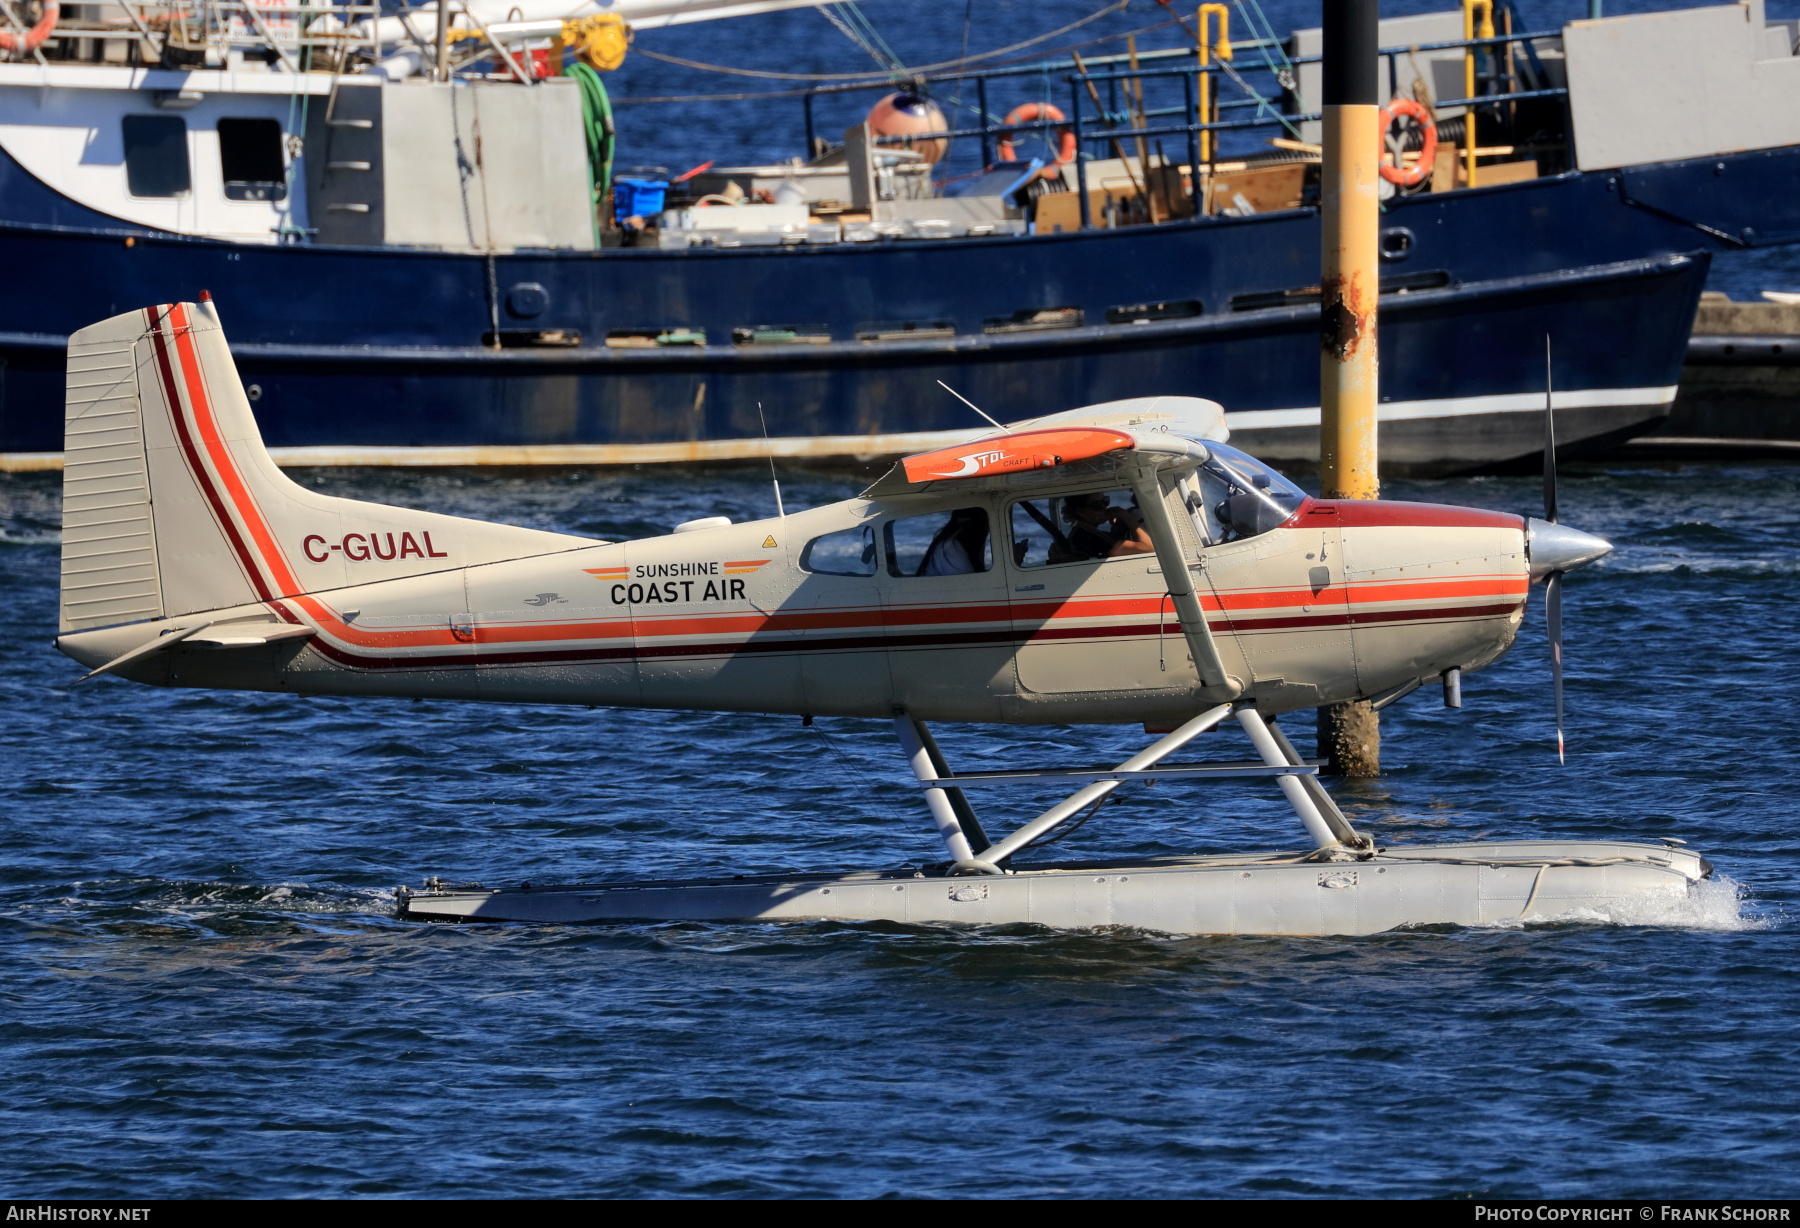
(205, 991)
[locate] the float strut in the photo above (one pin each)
(1328, 809)
(913, 735)
(959, 801)
(1270, 750)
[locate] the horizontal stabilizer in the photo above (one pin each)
(256, 635)
(274, 635)
(149, 649)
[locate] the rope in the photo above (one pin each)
(464, 167)
(876, 77)
(1265, 34)
(597, 127)
(857, 778)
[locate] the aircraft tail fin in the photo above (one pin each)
(172, 506)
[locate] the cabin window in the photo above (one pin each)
(849, 552)
(1078, 528)
(941, 544)
(250, 159)
(156, 156)
(1240, 496)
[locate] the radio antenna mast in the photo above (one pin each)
(780, 511)
(966, 401)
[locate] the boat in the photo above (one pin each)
(325, 168)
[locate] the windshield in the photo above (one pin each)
(1240, 496)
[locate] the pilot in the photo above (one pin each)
(1098, 530)
(960, 547)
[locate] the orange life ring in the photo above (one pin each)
(34, 37)
(1024, 114)
(1427, 155)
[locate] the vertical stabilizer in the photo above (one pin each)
(172, 505)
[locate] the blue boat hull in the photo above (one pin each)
(368, 348)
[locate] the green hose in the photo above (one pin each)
(597, 125)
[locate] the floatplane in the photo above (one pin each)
(1115, 564)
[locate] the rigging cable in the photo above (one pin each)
(851, 23)
(873, 78)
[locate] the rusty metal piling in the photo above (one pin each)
(1350, 210)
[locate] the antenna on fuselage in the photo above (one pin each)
(966, 401)
(779, 510)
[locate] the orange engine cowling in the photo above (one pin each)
(907, 114)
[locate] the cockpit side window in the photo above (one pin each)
(1241, 497)
(940, 543)
(1083, 527)
(848, 552)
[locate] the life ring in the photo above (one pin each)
(34, 37)
(1400, 175)
(1024, 114)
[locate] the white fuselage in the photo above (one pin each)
(727, 618)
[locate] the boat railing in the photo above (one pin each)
(296, 35)
(1093, 124)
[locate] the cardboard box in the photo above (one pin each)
(1450, 171)
(1264, 189)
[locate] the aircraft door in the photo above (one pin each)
(1277, 582)
(949, 630)
(1086, 593)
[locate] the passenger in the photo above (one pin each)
(960, 547)
(1098, 530)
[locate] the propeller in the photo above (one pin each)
(1554, 551)
(1553, 584)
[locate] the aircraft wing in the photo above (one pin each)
(1173, 429)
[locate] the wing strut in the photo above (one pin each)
(1215, 683)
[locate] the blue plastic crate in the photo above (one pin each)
(638, 197)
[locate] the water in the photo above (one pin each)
(205, 991)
